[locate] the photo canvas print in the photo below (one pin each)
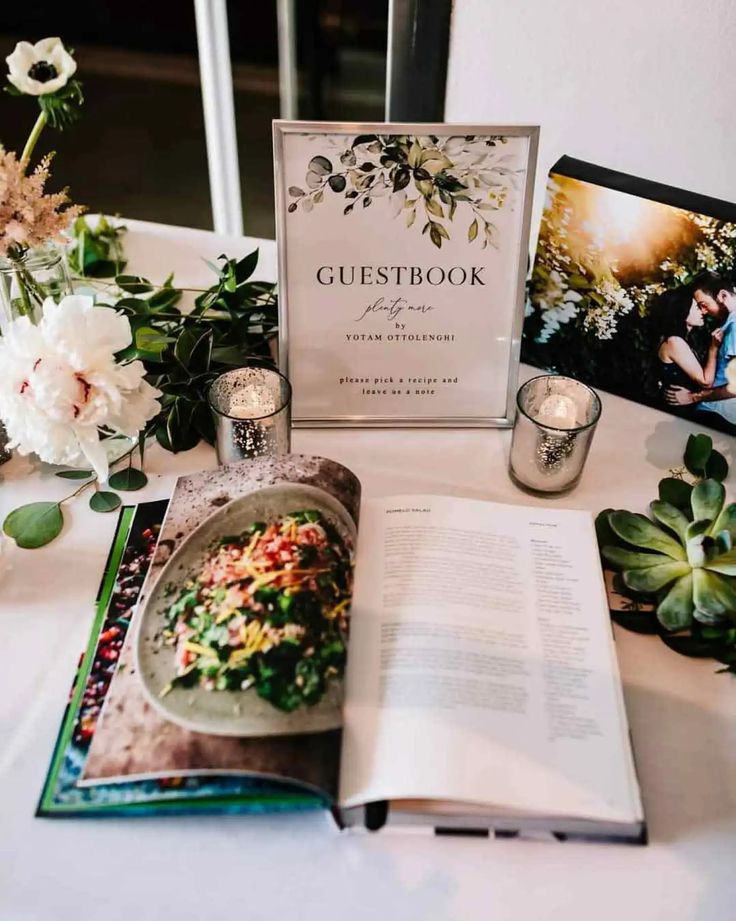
(632, 291)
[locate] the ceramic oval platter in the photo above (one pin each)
(231, 713)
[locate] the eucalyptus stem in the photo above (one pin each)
(33, 137)
(79, 489)
(26, 308)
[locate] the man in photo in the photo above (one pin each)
(716, 299)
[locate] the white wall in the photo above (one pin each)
(644, 86)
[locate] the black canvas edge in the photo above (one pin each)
(583, 171)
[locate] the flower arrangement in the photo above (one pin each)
(152, 362)
(677, 568)
(183, 351)
(63, 386)
(30, 216)
(79, 370)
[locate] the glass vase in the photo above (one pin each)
(4, 450)
(26, 282)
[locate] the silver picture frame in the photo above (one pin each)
(282, 129)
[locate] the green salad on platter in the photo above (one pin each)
(268, 610)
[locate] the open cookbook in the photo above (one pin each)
(449, 663)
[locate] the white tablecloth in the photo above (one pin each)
(682, 716)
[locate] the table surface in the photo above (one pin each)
(682, 717)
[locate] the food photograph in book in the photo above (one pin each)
(635, 295)
(130, 558)
(237, 656)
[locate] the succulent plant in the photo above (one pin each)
(684, 557)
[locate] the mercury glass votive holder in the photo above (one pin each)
(252, 412)
(553, 431)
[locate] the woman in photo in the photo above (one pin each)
(676, 316)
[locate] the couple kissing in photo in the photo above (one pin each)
(691, 384)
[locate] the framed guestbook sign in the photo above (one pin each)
(402, 260)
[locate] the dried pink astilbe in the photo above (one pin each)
(28, 216)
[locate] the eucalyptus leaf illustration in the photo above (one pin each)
(436, 175)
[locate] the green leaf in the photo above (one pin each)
(717, 467)
(203, 422)
(675, 611)
(102, 268)
(714, 595)
(34, 525)
(697, 453)
(133, 284)
(337, 183)
(163, 299)
(707, 499)
(148, 339)
(246, 267)
(630, 559)
(185, 343)
(401, 179)
(670, 516)
(361, 139)
(725, 563)
(320, 165)
(228, 355)
(654, 578)
(641, 532)
(473, 231)
(133, 305)
(724, 542)
(180, 432)
(161, 434)
(695, 542)
(103, 501)
(74, 474)
(128, 479)
(676, 492)
(726, 521)
(201, 354)
(603, 530)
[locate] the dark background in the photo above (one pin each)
(139, 147)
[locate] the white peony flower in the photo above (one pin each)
(41, 68)
(60, 383)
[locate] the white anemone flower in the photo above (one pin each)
(41, 68)
(61, 383)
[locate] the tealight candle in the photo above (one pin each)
(251, 408)
(553, 431)
(558, 412)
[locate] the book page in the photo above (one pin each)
(233, 663)
(481, 664)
